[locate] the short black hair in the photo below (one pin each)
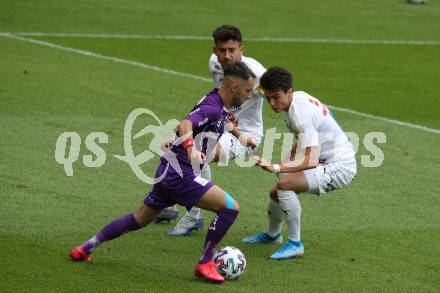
(276, 78)
(225, 33)
(238, 69)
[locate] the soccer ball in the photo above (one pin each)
(230, 262)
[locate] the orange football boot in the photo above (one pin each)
(78, 254)
(209, 272)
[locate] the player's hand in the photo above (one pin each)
(167, 144)
(229, 126)
(263, 163)
(232, 122)
(232, 119)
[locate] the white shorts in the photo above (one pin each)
(330, 176)
(232, 147)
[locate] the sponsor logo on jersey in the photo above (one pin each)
(203, 121)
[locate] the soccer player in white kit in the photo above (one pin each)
(321, 160)
(245, 137)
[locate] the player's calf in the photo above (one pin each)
(131, 222)
(226, 216)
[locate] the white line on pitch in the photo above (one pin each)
(114, 59)
(254, 39)
(178, 73)
(388, 120)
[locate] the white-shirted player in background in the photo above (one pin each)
(322, 160)
(227, 49)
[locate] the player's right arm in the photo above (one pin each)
(204, 113)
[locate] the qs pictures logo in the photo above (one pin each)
(67, 154)
(68, 146)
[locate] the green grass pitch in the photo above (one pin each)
(382, 233)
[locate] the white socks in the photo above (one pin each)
(194, 212)
(290, 209)
(206, 172)
(275, 218)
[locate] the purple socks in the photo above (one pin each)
(216, 231)
(113, 230)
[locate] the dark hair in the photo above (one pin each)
(238, 69)
(225, 33)
(277, 78)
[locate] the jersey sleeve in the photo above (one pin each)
(256, 67)
(216, 71)
(202, 115)
(258, 70)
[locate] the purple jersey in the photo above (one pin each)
(208, 119)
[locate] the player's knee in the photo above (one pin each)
(236, 206)
(220, 155)
(141, 216)
(144, 215)
(231, 203)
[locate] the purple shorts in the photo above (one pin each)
(173, 189)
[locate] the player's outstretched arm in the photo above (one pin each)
(309, 160)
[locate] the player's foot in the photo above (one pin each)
(264, 237)
(186, 225)
(167, 215)
(289, 250)
(78, 254)
(209, 272)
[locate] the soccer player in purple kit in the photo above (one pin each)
(208, 116)
(246, 136)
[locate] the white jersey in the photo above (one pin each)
(250, 115)
(314, 125)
